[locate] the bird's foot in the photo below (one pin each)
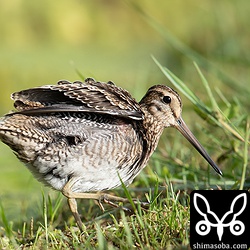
(115, 200)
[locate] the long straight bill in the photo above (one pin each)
(186, 132)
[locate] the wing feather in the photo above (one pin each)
(88, 96)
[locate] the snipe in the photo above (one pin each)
(83, 137)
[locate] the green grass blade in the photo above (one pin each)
(78, 72)
(206, 85)
(56, 206)
(8, 228)
(244, 168)
(127, 194)
(127, 229)
(220, 118)
(5, 222)
(45, 217)
(102, 244)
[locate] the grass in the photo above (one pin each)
(172, 173)
(165, 222)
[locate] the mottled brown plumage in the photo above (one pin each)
(83, 137)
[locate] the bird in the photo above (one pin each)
(84, 138)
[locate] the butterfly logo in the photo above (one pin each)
(210, 219)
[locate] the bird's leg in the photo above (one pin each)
(73, 207)
(72, 203)
(99, 197)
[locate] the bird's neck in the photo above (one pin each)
(152, 132)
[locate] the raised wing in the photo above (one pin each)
(88, 96)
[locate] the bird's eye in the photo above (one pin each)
(166, 99)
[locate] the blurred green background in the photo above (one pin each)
(43, 42)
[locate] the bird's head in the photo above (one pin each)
(165, 106)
